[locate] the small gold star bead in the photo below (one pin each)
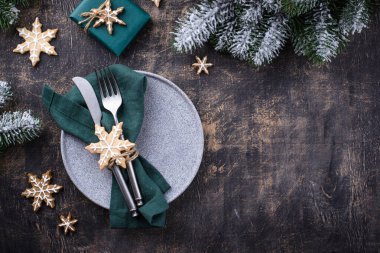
(202, 65)
(156, 2)
(67, 223)
(36, 42)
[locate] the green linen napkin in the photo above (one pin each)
(71, 114)
(133, 16)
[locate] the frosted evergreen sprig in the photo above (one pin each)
(200, 23)
(355, 17)
(5, 93)
(298, 7)
(9, 13)
(320, 38)
(257, 30)
(15, 127)
(271, 5)
(273, 39)
(224, 32)
(18, 128)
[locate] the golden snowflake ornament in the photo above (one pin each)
(41, 190)
(202, 65)
(103, 14)
(67, 223)
(36, 42)
(111, 149)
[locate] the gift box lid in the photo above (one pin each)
(133, 16)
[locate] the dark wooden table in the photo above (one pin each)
(291, 154)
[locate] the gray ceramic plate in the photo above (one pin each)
(171, 138)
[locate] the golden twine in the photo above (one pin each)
(129, 156)
(92, 14)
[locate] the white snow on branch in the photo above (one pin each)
(274, 39)
(5, 93)
(355, 17)
(18, 127)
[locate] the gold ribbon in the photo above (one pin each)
(129, 156)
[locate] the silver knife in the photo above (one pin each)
(92, 103)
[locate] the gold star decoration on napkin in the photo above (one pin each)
(36, 42)
(111, 149)
(42, 190)
(103, 14)
(202, 65)
(67, 223)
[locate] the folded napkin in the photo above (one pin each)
(71, 114)
(135, 18)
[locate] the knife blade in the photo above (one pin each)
(93, 106)
(89, 96)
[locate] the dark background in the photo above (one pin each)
(291, 154)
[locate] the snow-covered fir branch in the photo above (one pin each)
(225, 31)
(252, 13)
(5, 93)
(242, 41)
(200, 23)
(251, 30)
(355, 17)
(17, 128)
(326, 34)
(8, 14)
(247, 33)
(320, 38)
(9, 11)
(271, 5)
(224, 35)
(298, 7)
(272, 42)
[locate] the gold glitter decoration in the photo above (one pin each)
(42, 190)
(111, 149)
(202, 65)
(36, 42)
(67, 223)
(103, 14)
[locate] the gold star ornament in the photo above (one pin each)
(103, 14)
(111, 149)
(42, 190)
(156, 2)
(202, 65)
(36, 42)
(67, 223)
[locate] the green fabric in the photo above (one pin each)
(71, 114)
(133, 16)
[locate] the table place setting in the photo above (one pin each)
(101, 118)
(95, 146)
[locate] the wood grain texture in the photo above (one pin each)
(291, 157)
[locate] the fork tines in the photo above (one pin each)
(107, 82)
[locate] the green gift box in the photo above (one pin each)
(133, 16)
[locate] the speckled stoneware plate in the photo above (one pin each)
(171, 138)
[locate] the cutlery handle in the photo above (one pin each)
(132, 175)
(134, 184)
(124, 190)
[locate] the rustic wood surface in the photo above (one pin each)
(291, 155)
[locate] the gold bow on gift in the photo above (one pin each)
(111, 149)
(103, 14)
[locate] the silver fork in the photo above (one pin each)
(111, 100)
